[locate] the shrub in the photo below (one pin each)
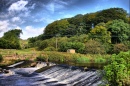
(118, 71)
(50, 49)
(119, 47)
(83, 60)
(78, 46)
(94, 47)
(42, 45)
(100, 60)
(1, 58)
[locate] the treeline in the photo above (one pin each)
(82, 24)
(10, 40)
(105, 31)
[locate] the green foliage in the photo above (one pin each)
(94, 47)
(120, 31)
(81, 38)
(12, 33)
(1, 58)
(119, 47)
(76, 20)
(104, 16)
(42, 45)
(99, 32)
(10, 40)
(117, 72)
(83, 60)
(100, 60)
(73, 59)
(78, 46)
(81, 24)
(110, 27)
(56, 27)
(69, 31)
(89, 19)
(50, 49)
(111, 14)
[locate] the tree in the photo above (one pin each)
(12, 33)
(69, 31)
(111, 14)
(99, 32)
(11, 39)
(94, 47)
(89, 19)
(55, 28)
(120, 31)
(76, 20)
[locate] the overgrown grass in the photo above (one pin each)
(14, 51)
(58, 57)
(74, 59)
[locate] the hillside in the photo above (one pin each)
(105, 31)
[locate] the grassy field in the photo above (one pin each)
(11, 55)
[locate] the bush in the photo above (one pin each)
(118, 71)
(1, 58)
(83, 60)
(42, 45)
(119, 47)
(50, 49)
(78, 46)
(100, 60)
(94, 47)
(62, 57)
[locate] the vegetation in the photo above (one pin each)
(104, 32)
(1, 58)
(94, 36)
(120, 31)
(10, 40)
(92, 33)
(118, 70)
(96, 61)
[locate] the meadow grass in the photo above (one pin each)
(53, 56)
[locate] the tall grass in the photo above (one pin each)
(73, 59)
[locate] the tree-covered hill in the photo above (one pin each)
(82, 24)
(106, 31)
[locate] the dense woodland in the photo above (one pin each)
(105, 31)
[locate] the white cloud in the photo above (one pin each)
(46, 20)
(50, 7)
(30, 31)
(33, 6)
(18, 6)
(56, 5)
(16, 19)
(61, 2)
(4, 26)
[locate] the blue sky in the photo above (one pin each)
(32, 16)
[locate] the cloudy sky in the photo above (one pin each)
(32, 16)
